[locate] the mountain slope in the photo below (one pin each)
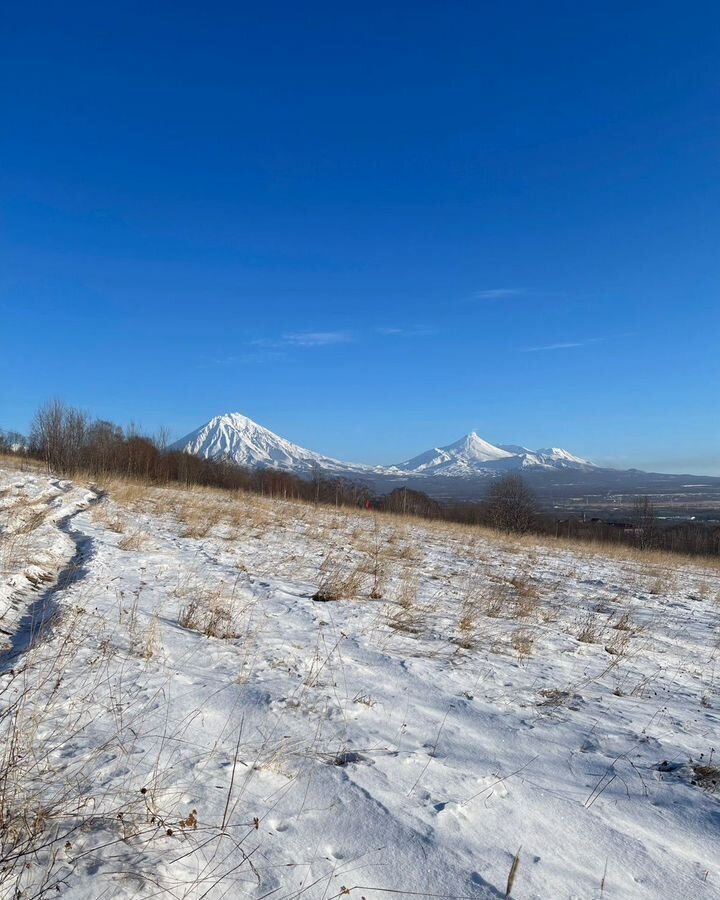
(463, 457)
(238, 439)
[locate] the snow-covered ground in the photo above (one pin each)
(34, 540)
(195, 724)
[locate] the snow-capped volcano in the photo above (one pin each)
(238, 439)
(471, 455)
(463, 457)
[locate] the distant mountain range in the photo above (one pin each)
(460, 471)
(236, 438)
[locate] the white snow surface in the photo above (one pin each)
(496, 695)
(235, 437)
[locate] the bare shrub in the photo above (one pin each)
(510, 505)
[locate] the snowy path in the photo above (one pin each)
(38, 549)
(412, 743)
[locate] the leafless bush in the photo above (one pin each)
(510, 505)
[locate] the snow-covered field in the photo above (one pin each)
(196, 723)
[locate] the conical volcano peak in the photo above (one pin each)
(238, 439)
(459, 458)
(477, 448)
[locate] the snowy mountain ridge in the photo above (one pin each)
(238, 439)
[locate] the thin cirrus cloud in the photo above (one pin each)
(405, 331)
(316, 338)
(569, 345)
(497, 294)
(561, 345)
(312, 339)
(305, 339)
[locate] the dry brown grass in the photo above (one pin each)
(526, 597)
(405, 612)
(496, 599)
(589, 629)
(411, 619)
(134, 540)
(340, 580)
(618, 642)
(19, 550)
(213, 611)
(23, 463)
(108, 518)
(707, 777)
(468, 626)
(522, 643)
(260, 512)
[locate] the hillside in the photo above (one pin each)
(240, 697)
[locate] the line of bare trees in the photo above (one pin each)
(71, 442)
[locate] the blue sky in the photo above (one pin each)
(370, 227)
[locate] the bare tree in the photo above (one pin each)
(46, 433)
(57, 436)
(12, 442)
(510, 504)
(645, 521)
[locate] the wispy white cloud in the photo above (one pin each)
(561, 345)
(584, 342)
(305, 339)
(405, 331)
(317, 338)
(497, 293)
